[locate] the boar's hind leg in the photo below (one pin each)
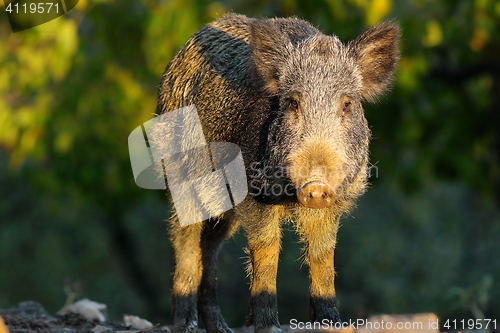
(214, 232)
(262, 225)
(318, 230)
(187, 276)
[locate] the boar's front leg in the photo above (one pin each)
(215, 230)
(262, 224)
(195, 278)
(187, 276)
(318, 230)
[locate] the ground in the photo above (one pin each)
(28, 317)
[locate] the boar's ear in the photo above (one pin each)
(376, 52)
(268, 50)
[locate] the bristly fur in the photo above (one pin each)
(291, 98)
(371, 50)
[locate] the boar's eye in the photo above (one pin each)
(294, 104)
(346, 107)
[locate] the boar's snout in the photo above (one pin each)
(315, 194)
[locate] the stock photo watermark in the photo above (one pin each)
(397, 323)
(27, 14)
(276, 178)
(204, 179)
(207, 179)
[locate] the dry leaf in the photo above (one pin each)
(100, 329)
(3, 327)
(89, 309)
(136, 322)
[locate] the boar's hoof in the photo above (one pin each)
(272, 329)
(217, 325)
(220, 329)
(189, 327)
(315, 194)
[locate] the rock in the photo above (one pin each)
(26, 307)
(136, 322)
(409, 323)
(89, 309)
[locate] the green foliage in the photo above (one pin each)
(71, 90)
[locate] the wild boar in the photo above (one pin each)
(291, 98)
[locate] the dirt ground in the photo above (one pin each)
(28, 317)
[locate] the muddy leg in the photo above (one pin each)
(187, 276)
(318, 230)
(262, 225)
(214, 232)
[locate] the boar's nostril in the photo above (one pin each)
(315, 194)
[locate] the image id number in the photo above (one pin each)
(41, 8)
(470, 324)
